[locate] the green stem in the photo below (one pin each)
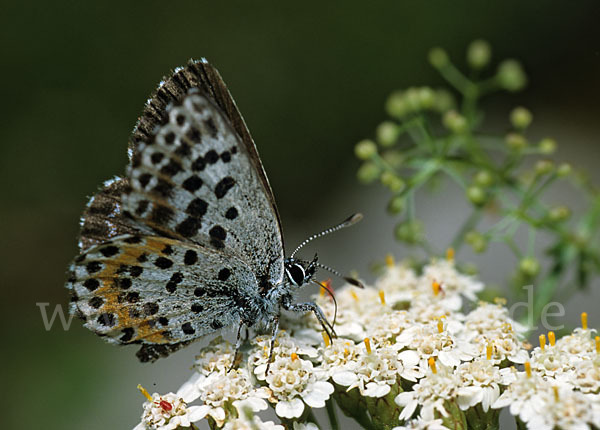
(467, 226)
(456, 78)
(310, 417)
(331, 414)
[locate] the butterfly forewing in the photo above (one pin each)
(103, 218)
(193, 181)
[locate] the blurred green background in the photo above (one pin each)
(310, 79)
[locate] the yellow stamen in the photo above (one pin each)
(597, 339)
(294, 356)
(450, 254)
(501, 301)
(353, 294)
(436, 288)
(555, 389)
(551, 338)
(489, 349)
(382, 297)
(346, 352)
(528, 369)
(431, 362)
(389, 260)
(325, 338)
(542, 341)
(440, 326)
(584, 320)
(145, 393)
(368, 345)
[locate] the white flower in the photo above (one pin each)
(429, 393)
(490, 318)
(578, 344)
(374, 372)
(585, 375)
(421, 424)
(293, 382)
(167, 412)
(218, 356)
(451, 281)
(564, 408)
(388, 326)
(398, 283)
(428, 341)
(235, 387)
(481, 381)
(285, 345)
(522, 396)
(251, 423)
(551, 361)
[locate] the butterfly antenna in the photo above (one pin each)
(353, 219)
(335, 307)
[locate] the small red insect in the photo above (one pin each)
(166, 406)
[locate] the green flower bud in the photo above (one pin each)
(547, 146)
(520, 118)
(476, 195)
(516, 141)
(511, 76)
(365, 149)
(455, 122)
(559, 213)
(392, 181)
(387, 133)
(529, 266)
(438, 58)
(393, 157)
(426, 97)
(410, 232)
(564, 169)
(477, 241)
(396, 205)
(396, 105)
(484, 178)
(368, 172)
(543, 167)
(444, 101)
(413, 102)
(479, 54)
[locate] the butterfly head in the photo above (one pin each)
(300, 272)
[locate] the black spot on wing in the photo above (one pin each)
(223, 186)
(189, 226)
(163, 263)
(192, 184)
(190, 257)
(91, 284)
(231, 213)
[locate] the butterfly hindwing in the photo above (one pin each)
(194, 181)
(154, 290)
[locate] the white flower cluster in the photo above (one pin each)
(404, 341)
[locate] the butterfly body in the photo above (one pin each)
(189, 240)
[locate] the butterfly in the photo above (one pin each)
(189, 241)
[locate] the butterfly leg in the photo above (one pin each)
(238, 343)
(274, 331)
(314, 308)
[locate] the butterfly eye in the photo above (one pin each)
(295, 273)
